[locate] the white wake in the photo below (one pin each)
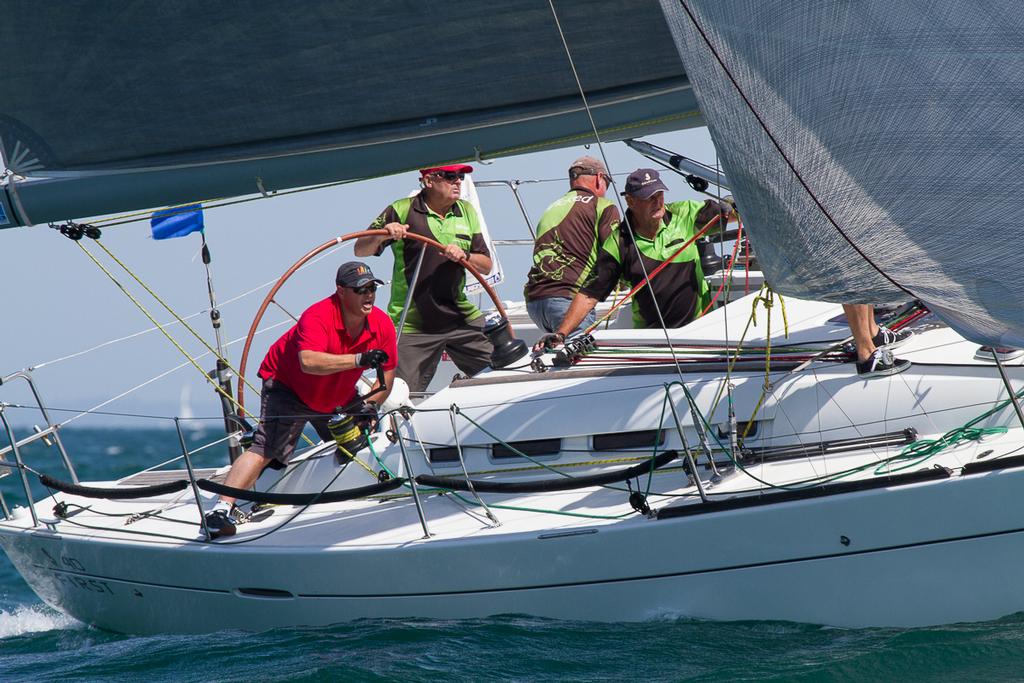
(34, 619)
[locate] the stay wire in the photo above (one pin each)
(153, 320)
(177, 317)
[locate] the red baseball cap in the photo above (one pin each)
(454, 168)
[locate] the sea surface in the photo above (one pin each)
(39, 644)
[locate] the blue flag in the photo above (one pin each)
(176, 222)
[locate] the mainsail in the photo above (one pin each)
(872, 147)
(116, 106)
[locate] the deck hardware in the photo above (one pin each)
(412, 481)
(638, 501)
(566, 534)
(46, 439)
(192, 478)
(480, 159)
(844, 540)
(1009, 389)
(452, 411)
(694, 475)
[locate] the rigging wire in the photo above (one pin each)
(95, 409)
(203, 311)
(149, 315)
(175, 315)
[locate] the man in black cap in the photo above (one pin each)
(651, 234)
(310, 372)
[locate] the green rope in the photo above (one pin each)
(373, 452)
(909, 456)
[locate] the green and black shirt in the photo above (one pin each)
(569, 235)
(681, 291)
(439, 303)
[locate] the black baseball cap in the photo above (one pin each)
(355, 274)
(643, 183)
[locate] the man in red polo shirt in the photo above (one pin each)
(310, 372)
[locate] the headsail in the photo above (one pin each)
(873, 147)
(120, 107)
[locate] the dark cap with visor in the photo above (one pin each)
(355, 274)
(644, 183)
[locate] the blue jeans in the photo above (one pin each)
(547, 314)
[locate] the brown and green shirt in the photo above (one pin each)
(439, 303)
(569, 235)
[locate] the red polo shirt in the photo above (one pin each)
(322, 328)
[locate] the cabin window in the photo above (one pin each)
(621, 440)
(444, 454)
(532, 448)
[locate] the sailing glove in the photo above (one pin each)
(365, 414)
(711, 209)
(373, 358)
(548, 342)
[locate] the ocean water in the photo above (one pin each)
(39, 644)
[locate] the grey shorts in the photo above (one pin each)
(283, 416)
(420, 352)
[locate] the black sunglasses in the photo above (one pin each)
(365, 289)
(450, 176)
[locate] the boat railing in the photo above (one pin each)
(51, 431)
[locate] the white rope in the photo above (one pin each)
(162, 375)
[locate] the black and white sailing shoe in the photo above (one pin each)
(1002, 353)
(220, 523)
(880, 364)
(890, 339)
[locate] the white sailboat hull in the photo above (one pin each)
(920, 554)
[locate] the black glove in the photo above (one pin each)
(365, 414)
(548, 342)
(373, 358)
(709, 211)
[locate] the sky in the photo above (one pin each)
(56, 302)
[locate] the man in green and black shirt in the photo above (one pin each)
(569, 235)
(650, 234)
(440, 316)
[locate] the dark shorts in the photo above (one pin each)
(283, 416)
(420, 352)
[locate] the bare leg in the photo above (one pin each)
(862, 325)
(244, 472)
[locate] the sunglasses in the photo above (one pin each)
(365, 289)
(451, 176)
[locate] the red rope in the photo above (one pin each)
(728, 273)
(650, 276)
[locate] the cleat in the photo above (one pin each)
(880, 364)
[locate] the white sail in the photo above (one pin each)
(872, 147)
